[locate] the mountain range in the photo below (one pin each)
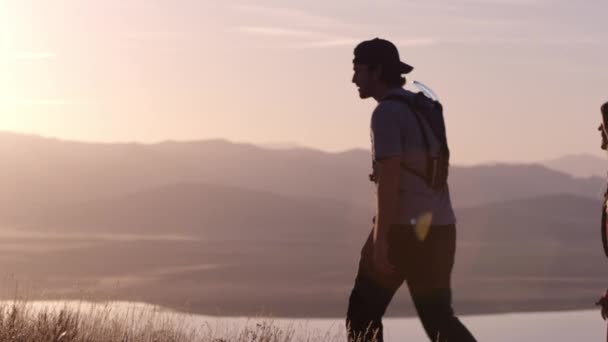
(580, 165)
(277, 230)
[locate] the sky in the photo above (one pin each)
(520, 80)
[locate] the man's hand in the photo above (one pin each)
(380, 258)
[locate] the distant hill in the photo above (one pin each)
(483, 184)
(555, 234)
(580, 165)
(208, 212)
(39, 173)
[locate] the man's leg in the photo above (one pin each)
(369, 299)
(438, 319)
(428, 278)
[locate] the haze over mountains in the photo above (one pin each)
(47, 170)
(276, 229)
(580, 165)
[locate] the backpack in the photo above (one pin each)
(431, 111)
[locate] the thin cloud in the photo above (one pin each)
(298, 38)
(297, 25)
(546, 41)
(315, 39)
(330, 43)
(340, 42)
(279, 32)
(414, 42)
(157, 35)
(28, 56)
(293, 16)
(42, 102)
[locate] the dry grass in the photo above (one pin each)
(23, 321)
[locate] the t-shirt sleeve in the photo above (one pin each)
(386, 132)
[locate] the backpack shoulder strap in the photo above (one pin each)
(412, 108)
(604, 226)
(425, 138)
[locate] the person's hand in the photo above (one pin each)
(380, 258)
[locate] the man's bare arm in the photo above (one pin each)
(388, 173)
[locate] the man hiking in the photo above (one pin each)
(414, 235)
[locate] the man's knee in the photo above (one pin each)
(369, 297)
(436, 302)
(434, 309)
(363, 306)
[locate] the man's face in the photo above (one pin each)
(364, 79)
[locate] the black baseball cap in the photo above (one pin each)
(380, 52)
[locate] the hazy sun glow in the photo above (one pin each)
(16, 57)
(279, 71)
